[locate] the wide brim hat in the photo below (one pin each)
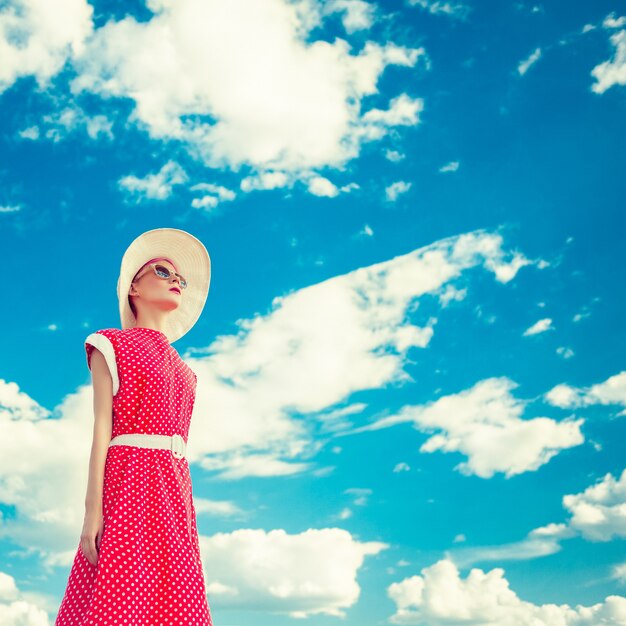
(190, 258)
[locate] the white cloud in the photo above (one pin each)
(586, 309)
(222, 193)
(611, 391)
(205, 202)
(393, 155)
(611, 72)
(45, 483)
(56, 126)
(265, 180)
(362, 317)
(452, 9)
(360, 494)
(16, 609)
(610, 21)
(453, 166)
(540, 326)
(402, 111)
(356, 14)
(440, 597)
(563, 396)
(320, 186)
(449, 293)
(213, 195)
(401, 467)
(565, 352)
(393, 191)
(32, 133)
(274, 100)
(154, 186)
(538, 543)
(598, 513)
(37, 37)
(484, 424)
(15, 404)
(524, 66)
(286, 573)
(315, 184)
(349, 187)
(366, 231)
(221, 508)
(619, 573)
(13, 208)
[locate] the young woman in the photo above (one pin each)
(138, 560)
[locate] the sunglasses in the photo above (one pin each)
(162, 272)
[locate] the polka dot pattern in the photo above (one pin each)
(149, 570)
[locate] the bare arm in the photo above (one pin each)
(103, 425)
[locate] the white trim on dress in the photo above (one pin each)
(105, 346)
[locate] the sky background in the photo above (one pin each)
(412, 389)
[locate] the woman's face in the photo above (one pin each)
(163, 293)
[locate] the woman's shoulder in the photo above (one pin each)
(109, 333)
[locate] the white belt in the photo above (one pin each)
(175, 443)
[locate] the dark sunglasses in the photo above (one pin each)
(162, 272)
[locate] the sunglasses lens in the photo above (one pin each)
(162, 271)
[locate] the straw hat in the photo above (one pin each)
(190, 258)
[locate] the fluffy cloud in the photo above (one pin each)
(37, 37)
(610, 21)
(393, 191)
(282, 573)
(355, 14)
(57, 125)
(16, 609)
(599, 512)
(611, 391)
(154, 186)
(484, 424)
(595, 514)
(244, 83)
(241, 83)
(539, 327)
(265, 180)
(362, 318)
(440, 597)
(43, 482)
(212, 195)
(320, 186)
(612, 72)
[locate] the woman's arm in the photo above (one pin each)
(103, 425)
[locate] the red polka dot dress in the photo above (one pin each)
(149, 570)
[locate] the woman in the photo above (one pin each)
(138, 560)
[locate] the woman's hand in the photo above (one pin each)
(91, 535)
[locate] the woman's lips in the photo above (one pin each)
(175, 290)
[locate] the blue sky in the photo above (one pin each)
(412, 388)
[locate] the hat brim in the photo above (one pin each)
(190, 258)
